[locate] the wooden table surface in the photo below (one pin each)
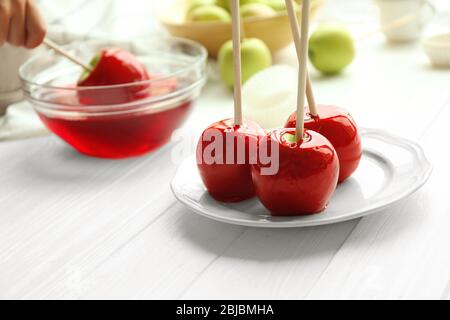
(84, 228)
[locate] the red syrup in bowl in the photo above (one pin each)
(118, 136)
(113, 133)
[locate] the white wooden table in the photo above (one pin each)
(78, 227)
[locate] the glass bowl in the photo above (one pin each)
(98, 121)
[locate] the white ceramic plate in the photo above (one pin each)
(391, 169)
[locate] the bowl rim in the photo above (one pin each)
(156, 103)
(202, 59)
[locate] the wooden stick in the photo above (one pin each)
(297, 40)
(310, 96)
(390, 26)
(236, 24)
(302, 72)
(66, 54)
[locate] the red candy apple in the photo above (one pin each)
(225, 152)
(338, 126)
(306, 178)
(114, 66)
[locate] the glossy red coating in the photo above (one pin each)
(115, 66)
(228, 181)
(306, 179)
(338, 126)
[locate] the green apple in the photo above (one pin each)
(255, 56)
(331, 48)
(245, 2)
(224, 4)
(280, 5)
(200, 3)
(93, 63)
(256, 10)
(208, 13)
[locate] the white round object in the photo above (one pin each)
(391, 169)
(437, 48)
(270, 96)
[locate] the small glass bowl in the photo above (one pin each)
(97, 121)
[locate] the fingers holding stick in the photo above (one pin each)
(35, 26)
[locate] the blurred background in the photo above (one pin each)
(138, 17)
(378, 65)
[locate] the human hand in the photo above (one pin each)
(21, 23)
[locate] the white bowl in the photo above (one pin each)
(437, 48)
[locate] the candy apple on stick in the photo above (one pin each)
(228, 147)
(308, 163)
(338, 126)
(333, 122)
(113, 66)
